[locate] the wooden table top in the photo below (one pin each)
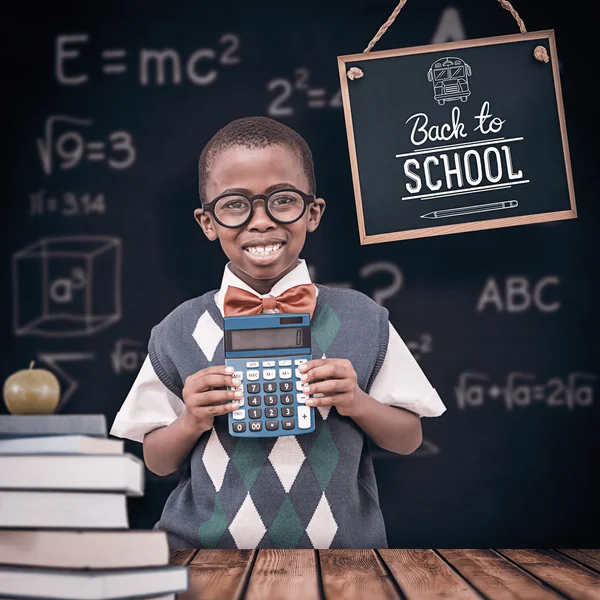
(393, 574)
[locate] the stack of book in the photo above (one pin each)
(63, 515)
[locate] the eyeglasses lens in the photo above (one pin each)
(232, 210)
(286, 206)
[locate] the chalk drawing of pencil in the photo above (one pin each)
(469, 210)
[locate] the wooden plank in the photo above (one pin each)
(408, 234)
(355, 575)
(496, 577)
(423, 575)
(181, 556)
(284, 574)
(559, 572)
(218, 574)
(588, 557)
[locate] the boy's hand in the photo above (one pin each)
(205, 395)
(336, 379)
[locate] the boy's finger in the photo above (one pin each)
(322, 401)
(214, 370)
(311, 364)
(214, 397)
(329, 371)
(319, 362)
(331, 386)
(221, 409)
(212, 380)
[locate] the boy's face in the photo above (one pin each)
(258, 171)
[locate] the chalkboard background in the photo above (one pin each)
(504, 322)
(392, 98)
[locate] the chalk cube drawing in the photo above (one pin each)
(67, 286)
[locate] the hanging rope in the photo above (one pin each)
(539, 52)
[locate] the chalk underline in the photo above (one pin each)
(460, 146)
(483, 188)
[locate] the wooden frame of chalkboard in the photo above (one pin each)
(367, 131)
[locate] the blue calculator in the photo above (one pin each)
(266, 351)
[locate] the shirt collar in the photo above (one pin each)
(299, 275)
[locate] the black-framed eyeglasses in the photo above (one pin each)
(283, 206)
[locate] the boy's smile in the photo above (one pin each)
(262, 251)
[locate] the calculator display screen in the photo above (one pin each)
(265, 339)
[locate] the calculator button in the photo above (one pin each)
(239, 388)
(304, 417)
(239, 414)
(299, 385)
(272, 425)
(239, 375)
(269, 374)
(255, 426)
(300, 361)
(285, 386)
(285, 373)
(287, 399)
(255, 413)
(270, 400)
(271, 386)
(253, 375)
(288, 424)
(271, 413)
(268, 363)
(297, 374)
(287, 411)
(285, 363)
(252, 364)
(254, 388)
(238, 427)
(301, 398)
(253, 400)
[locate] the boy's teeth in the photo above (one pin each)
(263, 250)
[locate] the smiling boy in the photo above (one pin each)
(316, 490)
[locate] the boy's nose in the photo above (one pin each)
(260, 220)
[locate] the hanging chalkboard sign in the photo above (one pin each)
(457, 137)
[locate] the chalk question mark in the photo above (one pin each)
(382, 294)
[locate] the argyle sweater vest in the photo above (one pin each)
(315, 490)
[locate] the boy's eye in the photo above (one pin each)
(282, 200)
(235, 205)
(285, 201)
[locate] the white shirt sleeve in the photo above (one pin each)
(401, 382)
(149, 405)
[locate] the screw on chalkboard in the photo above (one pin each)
(540, 53)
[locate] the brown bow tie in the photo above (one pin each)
(298, 299)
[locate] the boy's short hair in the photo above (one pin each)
(255, 132)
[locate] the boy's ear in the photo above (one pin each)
(315, 212)
(206, 223)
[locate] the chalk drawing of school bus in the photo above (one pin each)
(449, 76)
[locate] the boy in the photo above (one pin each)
(316, 490)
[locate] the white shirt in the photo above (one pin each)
(400, 381)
